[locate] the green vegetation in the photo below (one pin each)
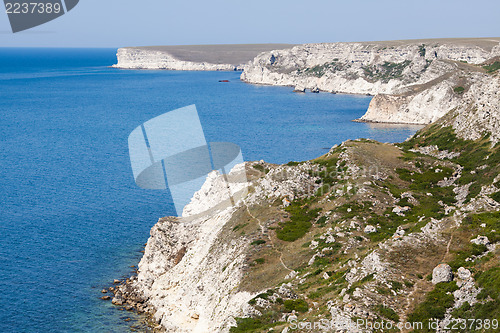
(259, 324)
(239, 226)
(459, 90)
(489, 297)
(260, 261)
(491, 222)
(298, 305)
(387, 312)
(473, 154)
(386, 71)
(496, 196)
(321, 221)
(421, 50)
(493, 67)
(434, 306)
(261, 168)
(320, 70)
(359, 283)
(469, 251)
(300, 221)
(258, 242)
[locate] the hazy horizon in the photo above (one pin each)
(120, 23)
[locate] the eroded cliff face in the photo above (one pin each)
(413, 82)
(351, 235)
(190, 277)
(136, 58)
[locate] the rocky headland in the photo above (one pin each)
(192, 57)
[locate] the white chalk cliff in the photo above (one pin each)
(189, 277)
(413, 82)
(137, 58)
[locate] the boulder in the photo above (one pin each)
(442, 273)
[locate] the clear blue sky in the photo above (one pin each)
(116, 23)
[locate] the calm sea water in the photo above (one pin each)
(71, 218)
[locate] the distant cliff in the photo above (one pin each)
(413, 82)
(192, 57)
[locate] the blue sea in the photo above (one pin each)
(71, 217)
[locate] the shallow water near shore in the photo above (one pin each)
(71, 217)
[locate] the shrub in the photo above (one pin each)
(459, 90)
(258, 242)
(298, 305)
(387, 312)
(299, 224)
(493, 67)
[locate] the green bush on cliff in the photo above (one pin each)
(298, 305)
(387, 312)
(493, 67)
(480, 161)
(300, 222)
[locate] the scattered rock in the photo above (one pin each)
(400, 210)
(291, 275)
(117, 301)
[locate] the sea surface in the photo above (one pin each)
(71, 217)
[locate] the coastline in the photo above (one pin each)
(178, 269)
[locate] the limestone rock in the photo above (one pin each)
(480, 240)
(442, 273)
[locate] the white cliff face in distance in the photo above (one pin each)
(192, 57)
(134, 58)
(413, 81)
